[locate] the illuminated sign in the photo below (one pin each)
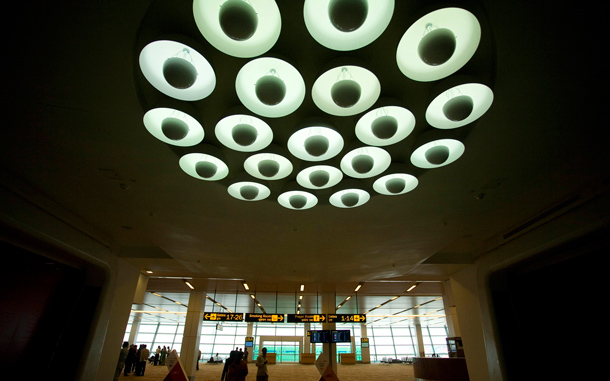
(346, 318)
(222, 316)
(265, 318)
(303, 318)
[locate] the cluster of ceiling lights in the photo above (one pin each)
(432, 48)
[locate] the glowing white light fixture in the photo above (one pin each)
(244, 133)
(249, 191)
(268, 166)
(177, 70)
(345, 25)
(395, 184)
(297, 200)
(438, 44)
(203, 166)
(239, 28)
(459, 106)
(346, 90)
(270, 87)
(319, 177)
(349, 198)
(385, 126)
(315, 143)
(365, 162)
(437, 153)
(173, 127)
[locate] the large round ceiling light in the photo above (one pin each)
(268, 166)
(244, 133)
(346, 90)
(315, 143)
(249, 191)
(437, 153)
(365, 162)
(204, 167)
(173, 127)
(395, 184)
(239, 28)
(345, 25)
(459, 106)
(438, 44)
(297, 200)
(385, 126)
(177, 70)
(319, 177)
(349, 198)
(270, 87)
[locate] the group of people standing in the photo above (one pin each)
(236, 366)
(133, 359)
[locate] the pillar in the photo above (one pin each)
(249, 333)
(453, 325)
(306, 341)
(365, 353)
(192, 333)
(420, 341)
(329, 306)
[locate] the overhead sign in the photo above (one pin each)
(346, 318)
(265, 318)
(222, 316)
(303, 318)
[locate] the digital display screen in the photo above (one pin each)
(341, 336)
(249, 344)
(319, 336)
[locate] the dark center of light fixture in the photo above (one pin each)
(395, 185)
(248, 192)
(437, 46)
(458, 108)
(362, 163)
(179, 73)
(384, 127)
(244, 134)
(319, 177)
(348, 15)
(316, 145)
(174, 128)
(206, 169)
(437, 155)
(270, 90)
(238, 20)
(350, 199)
(268, 167)
(345, 93)
(297, 201)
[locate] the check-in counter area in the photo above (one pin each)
(347, 358)
(308, 358)
(440, 368)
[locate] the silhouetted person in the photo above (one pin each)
(122, 357)
(261, 364)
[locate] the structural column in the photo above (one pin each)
(365, 352)
(420, 341)
(329, 307)
(249, 333)
(189, 351)
(306, 341)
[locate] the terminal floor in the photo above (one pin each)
(292, 372)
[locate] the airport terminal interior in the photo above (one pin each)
(421, 186)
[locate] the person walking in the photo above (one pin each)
(261, 364)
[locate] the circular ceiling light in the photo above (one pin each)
(437, 153)
(315, 143)
(345, 25)
(173, 127)
(438, 44)
(249, 191)
(395, 184)
(365, 162)
(268, 166)
(459, 106)
(239, 28)
(297, 200)
(346, 90)
(244, 133)
(270, 87)
(177, 70)
(319, 177)
(204, 167)
(385, 125)
(349, 198)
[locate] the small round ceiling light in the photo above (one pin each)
(349, 198)
(437, 153)
(319, 177)
(315, 143)
(395, 184)
(239, 28)
(249, 191)
(438, 44)
(459, 106)
(346, 90)
(268, 166)
(177, 70)
(385, 126)
(365, 162)
(204, 167)
(297, 200)
(244, 133)
(345, 25)
(173, 127)
(270, 87)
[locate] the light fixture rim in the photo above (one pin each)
(264, 191)
(456, 150)
(335, 176)
(250, 165)
(335, 198)
(406, 125)
(295, 143)
(411, 183)
(153, 119)
(381, 161)
(481, 95)
(188, 161)
(223, 133)
(283, 199)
